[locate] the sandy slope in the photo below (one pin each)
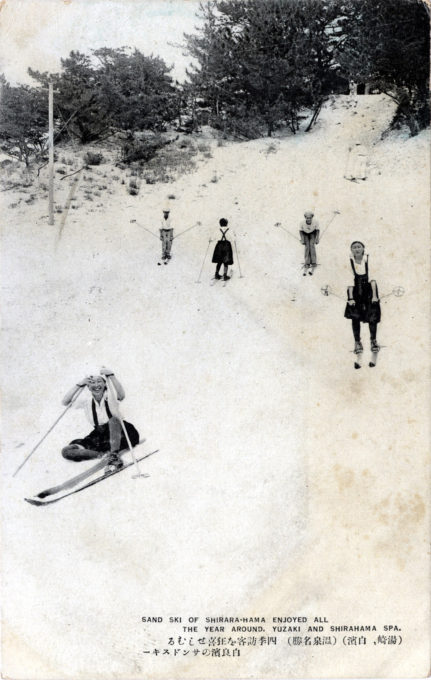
(248, 390)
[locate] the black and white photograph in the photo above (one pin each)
(216, 320)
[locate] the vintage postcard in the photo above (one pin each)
(216, 339)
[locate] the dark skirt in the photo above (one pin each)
(223, 253)
(363, 310)
(98, 439)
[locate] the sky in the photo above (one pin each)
(38, 33)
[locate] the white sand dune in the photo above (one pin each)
(248, 390)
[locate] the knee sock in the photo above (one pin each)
(373, 330)
(356, 327)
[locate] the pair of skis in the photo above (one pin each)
(45, 497)
(214, 280)
(165, 260)
(373, 359)
(309, 269)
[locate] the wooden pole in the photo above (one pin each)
(51, 152)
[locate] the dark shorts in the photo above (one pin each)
(223, 253)
(98, 439)
(363, 310)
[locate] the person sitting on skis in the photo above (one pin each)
(166, 236)
(309, 234)
(362, 298)
(223, 252)
(101, 408)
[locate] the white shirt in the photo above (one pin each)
(85, 402)
(309, 228)
(360, 266)
(166, 224)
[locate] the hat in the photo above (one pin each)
(97, 375)
(360, 243)
(308, 213)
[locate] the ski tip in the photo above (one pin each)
(33, 501)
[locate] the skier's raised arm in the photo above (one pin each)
(70, 395)
(116, 383)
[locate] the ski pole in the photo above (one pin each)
(129, 444)
(50, 430)
(278, 224)
(150, 232)
(336, 212)
(185, 230)
(398, 292)
(205, 257)
(236, 251)
(327, 290)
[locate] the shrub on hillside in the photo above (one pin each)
(413, 112)
(141, 150)
(92, 158)
(133, 188)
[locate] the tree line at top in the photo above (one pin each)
(257, 66)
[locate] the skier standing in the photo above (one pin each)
(309, 234)
(166, 236)
(107, 437)
(362, 298)
(223, 252)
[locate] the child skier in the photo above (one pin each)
(107, 437)
(223, 252)
(166, 236)
(362, 299)
(309, 234)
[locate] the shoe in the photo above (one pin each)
(226, 277)
(113, 462)
(217, 276)
(375, 347)
(358, 347)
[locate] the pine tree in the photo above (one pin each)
(23, 121)
(260, 63)
(78, 102)
(136, 89)
(386, 44)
